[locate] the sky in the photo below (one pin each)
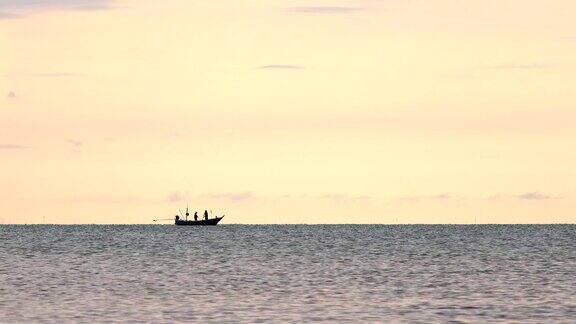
(317, 111)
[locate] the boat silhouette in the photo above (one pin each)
(196, 222)
(181, 221)
(201, 222)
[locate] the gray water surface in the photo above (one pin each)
(288, 273)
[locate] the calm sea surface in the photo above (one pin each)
(288, 273)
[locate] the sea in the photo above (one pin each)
(288, 273)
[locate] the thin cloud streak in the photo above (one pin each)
(95, 7)
(177, 196)
(76, 144)
(225, 197)
(17, 8)
(230, 197)
(281, 67)
(11, 147)
(436, 197)
(530, 195)
(345, 199)
(44, 75)
(513, 66)
(534, 195)
(103, 199)
(323, 10)
(7, 15)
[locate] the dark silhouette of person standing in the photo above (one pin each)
(195, 216)
(205, 215)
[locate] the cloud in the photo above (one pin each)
(281, 67)
(179, 196)
(75, 143)
(11, 95)
(345, 199)
(531, 195)
(93, 7)
(323, 9)
(439, 197)
(534, 195)
(44, 75)
(103, 199)
(7, 15)
(176, 196)
(533, 66)
(11, 147)
(16, 8)
(230, 197)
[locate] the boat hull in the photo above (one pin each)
(203, 222)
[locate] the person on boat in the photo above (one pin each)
(195, 216)
(205, 215)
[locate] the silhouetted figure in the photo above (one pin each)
(205, 215)
(195, 216)
(177, 217)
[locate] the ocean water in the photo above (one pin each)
(237, 273)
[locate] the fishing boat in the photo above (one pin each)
(200, 222)
(181, 221)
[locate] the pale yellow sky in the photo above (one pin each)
(328, 111)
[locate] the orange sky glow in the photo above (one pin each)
(328, 111)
